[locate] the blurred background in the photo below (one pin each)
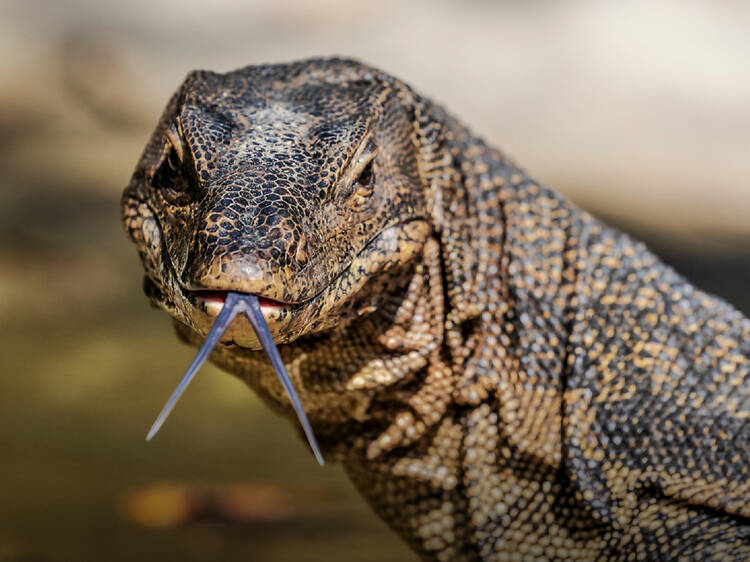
(638, 111)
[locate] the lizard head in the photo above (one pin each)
(299, 183)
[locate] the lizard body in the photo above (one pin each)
(502, 376)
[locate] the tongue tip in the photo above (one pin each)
(258, 322)
(233, 304)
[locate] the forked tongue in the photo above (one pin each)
(234, 304)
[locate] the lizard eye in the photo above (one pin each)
(362, 187)
(170, 178)
(365, 177)
(173, 160)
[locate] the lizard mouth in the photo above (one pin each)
(207, 305)
(217, 298)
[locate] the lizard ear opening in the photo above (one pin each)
(171, 178)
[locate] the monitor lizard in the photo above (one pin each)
(501, 375)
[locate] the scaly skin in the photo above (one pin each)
(501, 375)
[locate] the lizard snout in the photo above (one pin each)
(255, 247)
(206, 277)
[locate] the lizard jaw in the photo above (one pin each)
(288, 321)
